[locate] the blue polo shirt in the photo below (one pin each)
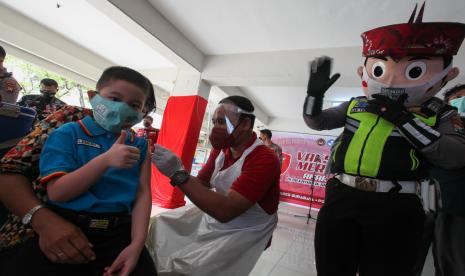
(74, 144)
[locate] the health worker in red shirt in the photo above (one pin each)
(236, 197)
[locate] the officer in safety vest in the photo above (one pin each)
(372, 220)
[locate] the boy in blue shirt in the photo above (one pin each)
(97, 175)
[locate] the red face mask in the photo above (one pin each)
(220, 138)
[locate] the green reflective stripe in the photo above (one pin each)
(415, 161)
(334, 151)
(431, 121)
(364, 153)
(356, 143)
(374, 145)
(372, 156)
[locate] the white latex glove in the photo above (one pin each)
(166, 161)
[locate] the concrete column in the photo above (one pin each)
(180, 129)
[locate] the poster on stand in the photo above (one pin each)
(303, 171)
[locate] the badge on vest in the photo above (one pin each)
(360, 106)
(88, 143)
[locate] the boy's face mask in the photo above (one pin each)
(459, 103)
(113, 116)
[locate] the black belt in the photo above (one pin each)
(104, 221)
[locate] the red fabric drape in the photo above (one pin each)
(179, 132)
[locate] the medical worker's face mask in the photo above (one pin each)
(222, 134)
(222, 138)
(113, 116)
(413, 71)
(459, 103)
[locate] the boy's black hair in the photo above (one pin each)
(2, 52)
(49, 82)
(151, 103)
(244, 104)
(131, 76)
(267, 132)
(149, 117)
(452, 91)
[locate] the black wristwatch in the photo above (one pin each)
(179, 177)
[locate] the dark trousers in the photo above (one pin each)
(28, 259)
(427, 240)
(449, 244)
(374, 234)
(6, 255)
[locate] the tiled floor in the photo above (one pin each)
(292, 252)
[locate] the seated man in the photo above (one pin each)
(237, 219)
(46, 103)
(18, 169)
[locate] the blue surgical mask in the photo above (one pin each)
(112, 115)
(459, 103)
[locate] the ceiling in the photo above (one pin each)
(88, 27)
(245, 26)
(257, 48)
(264, 46)
(83, 37)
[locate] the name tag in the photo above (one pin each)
(88, 143)
(359, 107)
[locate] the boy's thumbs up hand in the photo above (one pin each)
(122, 138)
(121, 155)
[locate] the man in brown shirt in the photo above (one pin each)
(265, 136)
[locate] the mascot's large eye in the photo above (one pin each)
(378, 69)
(415, 70)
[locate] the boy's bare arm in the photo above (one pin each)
(142, 206)
(127, 259)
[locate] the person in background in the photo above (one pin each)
(265, 136)
(148, 132)
(104, 189)
(9, 87)
(14, 122)
(449, 229)
(46, 103)
(233, 223)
